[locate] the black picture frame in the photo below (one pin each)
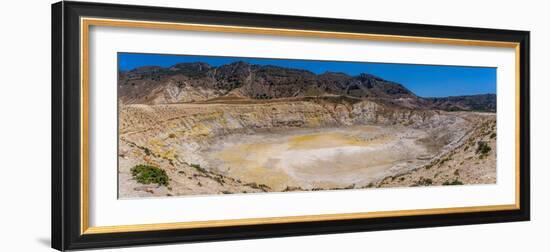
(66, 114)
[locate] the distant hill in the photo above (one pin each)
(198, 81)
(483, 102)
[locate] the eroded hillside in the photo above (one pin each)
(217, 146)
(199, 82)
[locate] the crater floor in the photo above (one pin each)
(295, 145)
(319, 158)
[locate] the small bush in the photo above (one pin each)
(148, 174)
(454, 182)
(147, 151)
(493, 135)
(262, 187)
(483, 149)
(423, 182)
(172, 135)
(263, 97)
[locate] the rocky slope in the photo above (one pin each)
(192, 82)
(244, 128)
(483, 102)
(175, 137)
(199, 81)
(471, 161)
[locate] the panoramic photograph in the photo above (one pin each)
(210, 125)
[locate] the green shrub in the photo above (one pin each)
(454, 182)
(262, 187)
(263, 97)
(483, 148)
(147, 151)
(148, 174)
(423, 182)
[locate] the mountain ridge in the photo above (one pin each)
(200, 81)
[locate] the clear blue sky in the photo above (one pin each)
(423, 80)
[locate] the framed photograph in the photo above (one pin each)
(180, 125)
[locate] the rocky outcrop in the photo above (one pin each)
(470, 161)
(199, 81)
(237, 117)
